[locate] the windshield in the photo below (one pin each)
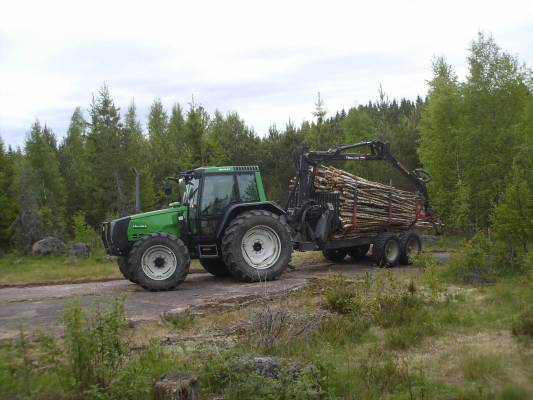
(191, 188)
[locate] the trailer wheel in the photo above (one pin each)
(215, 266)
(257, 246)
(411, 246)
(159, 261)
(358, 252)
(125, 269)
(387, 249)
(335, 255)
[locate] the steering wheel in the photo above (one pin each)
(423, 175)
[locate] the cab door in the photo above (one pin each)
(218, 192)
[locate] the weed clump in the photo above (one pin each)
(384, 301)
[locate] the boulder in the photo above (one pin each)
(48, 246)
(79, 250)
(475, 279)
(176, 386)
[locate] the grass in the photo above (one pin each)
(34, 270)
(394, 335)
(16, 270)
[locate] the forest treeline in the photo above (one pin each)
(475, 136)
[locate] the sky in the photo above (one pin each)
(264, 59)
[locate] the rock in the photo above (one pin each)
(176, 386)
(48, 246)
(79, 250)
(475, 279)
(266, 366)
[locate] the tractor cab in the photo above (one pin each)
(209, 193)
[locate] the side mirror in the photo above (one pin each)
(167, 188)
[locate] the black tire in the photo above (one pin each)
(387, 249)
(161, 247)
(125, 269)
(410, 245)
(334, 255)
(237, 258)
(358, 252)
(215, 266)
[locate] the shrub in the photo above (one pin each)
(472, 260)
(523, 325)
(84, 233)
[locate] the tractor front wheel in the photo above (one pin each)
(125, 269)
(257, 246)
(159, 261)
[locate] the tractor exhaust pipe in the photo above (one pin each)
(137, 190)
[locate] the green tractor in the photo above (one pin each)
(223, 219)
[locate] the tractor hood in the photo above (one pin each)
(165, 220)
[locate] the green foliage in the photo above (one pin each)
(8, 203)
(84, 233)
(512, 220)
(236, 378)
(523, 325)
(471, 131)
(473, 259)
(92, 362)
(481, 366)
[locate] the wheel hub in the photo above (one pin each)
(159, 262)
(261, 247)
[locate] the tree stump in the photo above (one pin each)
(176, 386)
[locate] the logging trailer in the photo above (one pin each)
(225, 221)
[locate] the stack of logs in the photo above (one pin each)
(366, 206)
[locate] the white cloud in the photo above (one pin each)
(265, 60)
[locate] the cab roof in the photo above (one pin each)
(223, 169)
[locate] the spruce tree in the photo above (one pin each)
(8, 203)
(49, 184)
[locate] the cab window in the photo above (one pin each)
(247, 188)
(218, 193)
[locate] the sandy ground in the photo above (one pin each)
(42, 306)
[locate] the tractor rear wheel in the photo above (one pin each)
(358, 252)
(410, 246)
(125, 269)
(387, 249)
(334, 255)
(215, 266)
(159, 261)
(257, 246)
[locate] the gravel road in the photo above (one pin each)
(42, 306)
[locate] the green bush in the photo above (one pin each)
(523, 325)
(84, 233)
(92, 362)
(474, 259)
